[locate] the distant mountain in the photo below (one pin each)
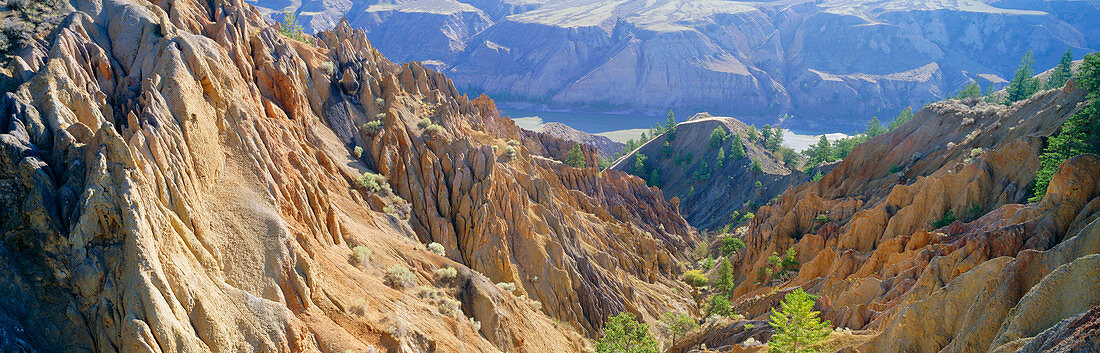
(832, 64)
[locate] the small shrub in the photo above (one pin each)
(437, 248)
(622, 333)
(424, 122)
(822, 218)
(360, 255)
(695, 278)
(450, 307)
(380, 102)
(428, 293)
(399, 277)
(373, 182)
(513, 143)
(749, 326)
(758, 184)
(946, 220)
(357, 152)
(372, 127)
(507, 286)
(756, 166)
(433, 130)
(818, 176)
(895, 169)
(328, 67)
(510, 152)
(446, 273)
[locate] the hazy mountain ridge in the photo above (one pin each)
(743, 58)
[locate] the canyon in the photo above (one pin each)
(830, 64)
(182, 176)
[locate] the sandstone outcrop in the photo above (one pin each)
(178, 176)
(1005, 275)
(605, 146)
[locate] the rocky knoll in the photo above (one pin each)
(1004, 276)
(605, 146)
(814, 59)
(178, 176)
(710, 191)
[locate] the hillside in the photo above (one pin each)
(179, 176)
(710, 191)
(1005, 276)
(603, 145)
(831, 64)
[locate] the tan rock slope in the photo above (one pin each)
(1005, 277)
(177, 176)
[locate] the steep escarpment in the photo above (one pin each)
(822, 61)
(922, 235)
(178, 176)
(712, 179)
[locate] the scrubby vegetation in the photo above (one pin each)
(730, 244)
(674, 326)
(695, 278)
(437, 248)
(360, 255)
(23, 21)
(446, 273)
(624, 334)
(798, 328)
(399, 277)
(373, 182)
(372, 127)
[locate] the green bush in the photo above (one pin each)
(357, 152)
(437, 248)
(946, 220)
(723, 278)
(360, 255)
(756, 166)
(291, 29)
(449, 307)
(372, 127)
(798, 328)
(674, 326)
(695, 278)
(624, 334)
(425, 122)
(817, 176)
(730, 244)
(373, 182)
(433, 130)
(510, 152)
(446, 273)
(399, 277)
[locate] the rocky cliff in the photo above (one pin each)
(687, 167)
(178, 176)
(604, 146)
(825, 62)
(993, 274)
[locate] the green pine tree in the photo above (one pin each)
(723, 279)
(624, 334)
(1079, 134)
(798, 328)
(737, 150)
(575, 157)
(1062, 72)
(670, 126)
(903, 117)
(1023, 85)
(874, 127)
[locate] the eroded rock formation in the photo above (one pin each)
(178, 176)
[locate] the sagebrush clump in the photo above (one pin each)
(399, 277)
(373, 182)
(437, 248)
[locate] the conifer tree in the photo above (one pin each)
(1023, 85)
(798, 329)
(1062, 72)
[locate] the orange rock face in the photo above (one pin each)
(179, 176)
(878, 263)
